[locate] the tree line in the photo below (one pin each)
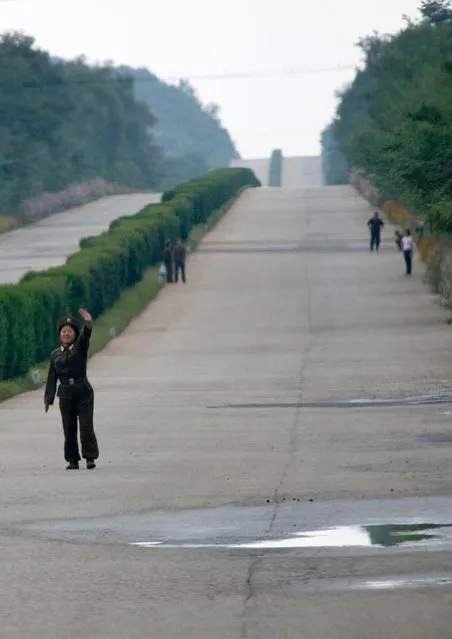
(67, 122)
(394, 120)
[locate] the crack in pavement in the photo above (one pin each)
(292, 447)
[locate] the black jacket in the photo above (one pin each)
(375, 224)
(168, 255)
(180, 254)
(68, 366)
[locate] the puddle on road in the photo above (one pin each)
(337, 537)
(395, 582)
(355, 526)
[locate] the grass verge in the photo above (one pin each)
(8, 223)
(114, 321)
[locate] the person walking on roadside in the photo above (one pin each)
(168, 261)
(180, 256)
(68, 366)
(407, 244)
(375, 224)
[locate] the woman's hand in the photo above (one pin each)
(86, 316)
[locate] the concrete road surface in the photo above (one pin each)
(292, 399)
(48, 242)
(260, 167)
(297, 172)
(302, 172)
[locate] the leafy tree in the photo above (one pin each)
(176, 170)
(393, 120)
(334, 163)
(62, 123)
(436, 11)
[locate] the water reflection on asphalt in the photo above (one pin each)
(385, 535)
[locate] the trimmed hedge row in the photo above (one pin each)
(275, 168)
(106, 265)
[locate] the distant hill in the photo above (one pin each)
(184, 127)
(66, 122)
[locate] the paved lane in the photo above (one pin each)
(297, 172)
(302, 172)
(48, 242)
(204, 439)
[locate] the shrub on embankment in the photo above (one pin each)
(393, 121)
(104, 267)
(275, 168)
(41, 206)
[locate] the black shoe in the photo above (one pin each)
(72, 466)
(90, 464)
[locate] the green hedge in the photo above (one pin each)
(106, 265)
(275, 168)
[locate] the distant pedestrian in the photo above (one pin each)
(168, 261)
(398, 239)
(407, 248)
(76, 395)
(180, 255)
(375, 225)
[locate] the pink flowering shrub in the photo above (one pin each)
(41, 206)
(364, 187)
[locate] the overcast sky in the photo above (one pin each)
(188, 38)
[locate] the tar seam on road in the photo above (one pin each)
(421, 400)
(341, 248)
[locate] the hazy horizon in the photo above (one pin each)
(234, 37)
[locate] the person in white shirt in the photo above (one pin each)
(407, 245)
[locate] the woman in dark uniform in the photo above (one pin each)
(76, 395)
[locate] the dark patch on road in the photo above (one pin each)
(308, 245)
(299, 525)
(435, 438)
(422, 400)
(304, 248)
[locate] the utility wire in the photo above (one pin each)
(251, 75)
(127, 75)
